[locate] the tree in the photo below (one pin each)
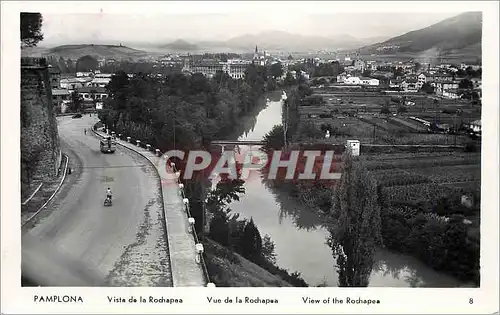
(219, 228)
(61, 64)
(86, 63)
(76, 101)
(402, 109)
(355, 228)
(268, 251)
(301, 79)
(465, 84)
(385, 110)
(274, 139)
(367, 73)
(397, 72)
(227, 190)
(276, 70)
(31, 29)
(251, 242)
(289, 79)
(427, 88)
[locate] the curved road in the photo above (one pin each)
(127, 242)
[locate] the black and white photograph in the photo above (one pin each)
(241, 149)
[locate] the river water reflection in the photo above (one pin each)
(300, 238)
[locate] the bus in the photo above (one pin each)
(108, 145)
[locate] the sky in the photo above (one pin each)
(129, 25)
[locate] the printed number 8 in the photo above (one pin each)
(471, 301)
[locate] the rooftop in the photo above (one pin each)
(58, 92)
(92, 90)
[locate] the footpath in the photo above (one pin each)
(187, 269)
(42, 192)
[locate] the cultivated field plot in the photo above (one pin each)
(384, 124)
(425, 139)
(408, 124)
(442, 118)
(416, 160)
(426, 177)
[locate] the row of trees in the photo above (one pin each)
(180, 111)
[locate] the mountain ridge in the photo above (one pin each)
(75, 51)
(180, 44)
(448, 36)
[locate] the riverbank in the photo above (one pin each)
(299, 233)
(229, 269)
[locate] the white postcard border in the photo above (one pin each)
(393, 300)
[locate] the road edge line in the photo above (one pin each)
(162, 200)
(32, 195)
(53, 195)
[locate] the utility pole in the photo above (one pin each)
(203, 205)
(173, 121)
(455, 129)
(285, 125)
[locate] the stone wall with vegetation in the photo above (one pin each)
(40, 148)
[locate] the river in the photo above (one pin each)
(300, 240)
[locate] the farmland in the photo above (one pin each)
(424, 169)
(428, 175)
(357, 114)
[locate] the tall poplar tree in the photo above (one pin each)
(355, 230)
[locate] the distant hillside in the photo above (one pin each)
(76, 51)
(462, 32)
(278, 40)
(180, 45)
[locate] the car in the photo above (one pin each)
(77, 116)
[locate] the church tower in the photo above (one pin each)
(256, 53)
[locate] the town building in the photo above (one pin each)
(258, 58)
(89, 94)
(100, 80)
(354, 80)
(445, 88)
(475, 125)
(476, 83)
(443, 77)
(410, 85)
(234, 68)
(395, 83)
(55, 77)
(421, 79)
(59, 96)
(359, 65)
(369, 81)
(84, 74)
(71, 84)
